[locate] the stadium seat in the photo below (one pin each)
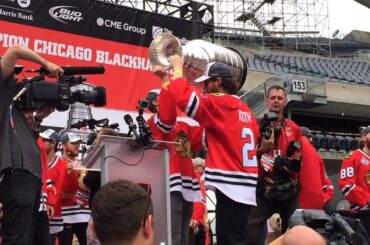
(342, 143)
(352, 143)
(332, 143)
(321, 142)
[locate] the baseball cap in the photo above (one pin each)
(70, 137)
(50, 134)
(365, 131)
(215, 69)
(305, 131)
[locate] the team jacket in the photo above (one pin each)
(354, 179)
(232, 133)
(57, 173)
(316, 187)
(47, 197)
(164, 127)
(75, 201)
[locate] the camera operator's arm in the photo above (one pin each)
(40, 115)
(15, 52)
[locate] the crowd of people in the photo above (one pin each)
(257, 168)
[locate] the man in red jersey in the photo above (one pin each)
(184, 186)
(316, 187)
(231, 131)
(354, 180)
(279, 161)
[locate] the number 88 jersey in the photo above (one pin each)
(354, 179)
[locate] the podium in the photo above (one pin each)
(123, 158)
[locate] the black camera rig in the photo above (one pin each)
(35, 93)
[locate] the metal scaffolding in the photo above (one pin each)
(302, 25)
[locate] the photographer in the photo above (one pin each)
(279, 161)
(20, 164)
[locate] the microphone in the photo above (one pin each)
(22, 91)
(130, 122)
(351, 236)
(74, 70)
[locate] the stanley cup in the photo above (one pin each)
(197, 54)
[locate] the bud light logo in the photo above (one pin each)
(66, 14)
(157, 30)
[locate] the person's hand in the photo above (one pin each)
(193, 223)
(54, 190)
(50, 211)
(42, 113)
(53, 69)
(266, 144)
(81, 181)
(70, 166)
(176, 62)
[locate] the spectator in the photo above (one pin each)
(20, 164)
(75, 202)
(57, 174)
(316, 187)
(300, 235)
(122, 213)
(184, 187)
(278, 184)
(232, 131)
(354, 180)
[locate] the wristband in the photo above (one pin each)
(165, 84)
(177, 72)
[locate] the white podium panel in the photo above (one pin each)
(123, 158)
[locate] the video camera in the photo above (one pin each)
(287, 163)
(35, 93)
(266, 128)
(333, 227)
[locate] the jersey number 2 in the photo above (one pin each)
(247, 148)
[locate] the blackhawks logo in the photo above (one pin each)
(184, 148)
(367, 177)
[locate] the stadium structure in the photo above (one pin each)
(327, 75)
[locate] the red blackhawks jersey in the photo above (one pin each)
(47, 197)
(75, 201)
(316, 187)
(354, 180)
(164, 127)
(232, 133)
(57, 173)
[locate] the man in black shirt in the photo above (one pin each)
(20, 162)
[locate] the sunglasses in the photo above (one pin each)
(148, 191)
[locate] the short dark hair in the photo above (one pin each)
(230, 85)
(119, 210)
(276, 87)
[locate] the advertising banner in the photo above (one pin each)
(88, 33)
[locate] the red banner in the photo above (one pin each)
(127, 75)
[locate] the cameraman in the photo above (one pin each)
(20, 164)
(278, 188)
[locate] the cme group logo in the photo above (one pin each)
(100, 21)
(66, 14)
(24, 3)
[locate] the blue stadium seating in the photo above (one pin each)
(321, 142)
(332, 142)
(352, 143)
(343, 145)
